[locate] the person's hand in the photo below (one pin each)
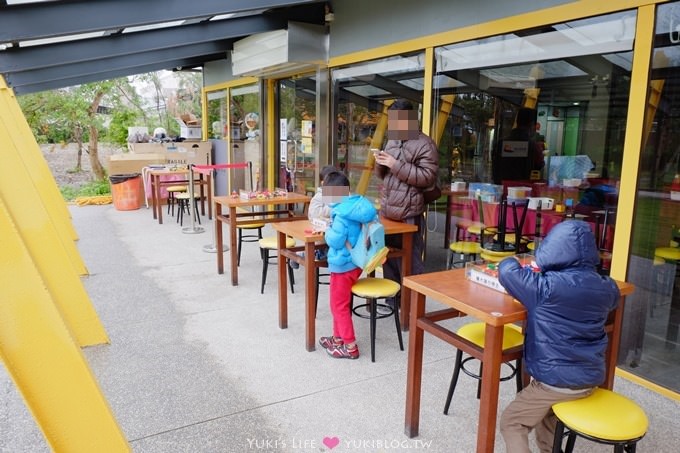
(385, 159)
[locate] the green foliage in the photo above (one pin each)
(90, 189)
(121, 119)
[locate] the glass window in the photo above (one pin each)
(362, 93)
(234, 125)
(298, 150)
(649, 347)
(543, 108)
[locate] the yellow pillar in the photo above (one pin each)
(376, 142)
(42, 240)
(45, 364)
(20, 133)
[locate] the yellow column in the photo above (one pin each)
(376, 142)
(27, 210)
(46, 365)
(20, 133)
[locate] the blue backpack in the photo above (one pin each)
(369, 251)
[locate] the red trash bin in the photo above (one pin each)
(126, 190)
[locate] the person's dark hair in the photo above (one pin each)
(335, 179)
(325, 171)
(526, 117)
(401, 104)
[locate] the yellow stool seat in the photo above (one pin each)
(271, 242)
(371, 289)
(475, 332)
(251, 226)
(494, 257)
(604, 416)
(177, 188)
(466, 247)
(476, 228)
(667, 253)
(375, 288)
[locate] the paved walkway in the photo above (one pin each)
(196, 365)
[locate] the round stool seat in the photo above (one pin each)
(603, 415)
(375, 288)
(251, 226)
(494, 257)
(667, 253)
(177, 188)
(466, 247)
(272, 242)
(475, 228)
(475, 333)
(184, 196)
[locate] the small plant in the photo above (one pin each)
(90, 189)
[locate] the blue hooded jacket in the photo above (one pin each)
(346, 219)
(567, 306)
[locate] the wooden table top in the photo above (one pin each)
(300, 229)
(455, 290)
(290, 198)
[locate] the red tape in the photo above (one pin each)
(221, 166)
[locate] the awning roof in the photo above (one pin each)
(51, 44)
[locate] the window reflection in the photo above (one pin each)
(362, 94)
(649, 346)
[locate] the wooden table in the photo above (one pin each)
(285, 213)
(300, 230)
(494, 308)
(156, 184)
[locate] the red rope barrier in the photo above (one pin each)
(221, 166)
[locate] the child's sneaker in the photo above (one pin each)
(328, 342)
(341, 351)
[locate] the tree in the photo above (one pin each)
(72, 115)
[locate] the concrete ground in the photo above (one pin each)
(197, 365)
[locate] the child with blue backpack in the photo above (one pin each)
(348, 214)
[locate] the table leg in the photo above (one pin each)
(414, 366)
(233, 247)
(613, 345)
(447, 222)
(283, 282)
(488, 404)
(219, 242)
(154, 183)
(406, 247)
(310, 297)
(159, 205)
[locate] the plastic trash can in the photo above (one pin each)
(126, 190)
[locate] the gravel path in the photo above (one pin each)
(62, 160)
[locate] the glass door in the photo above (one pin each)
(298, 149)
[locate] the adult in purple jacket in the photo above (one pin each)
(565, 342)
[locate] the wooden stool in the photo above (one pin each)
(372, 289)
(513, 340)
(271, 243)
(183, 203)
(604, 417)
(172, 190)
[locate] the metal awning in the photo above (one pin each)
(48, 44)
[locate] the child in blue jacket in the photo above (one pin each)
(346, 219)
(565, 343)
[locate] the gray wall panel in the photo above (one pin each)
(362, 24)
